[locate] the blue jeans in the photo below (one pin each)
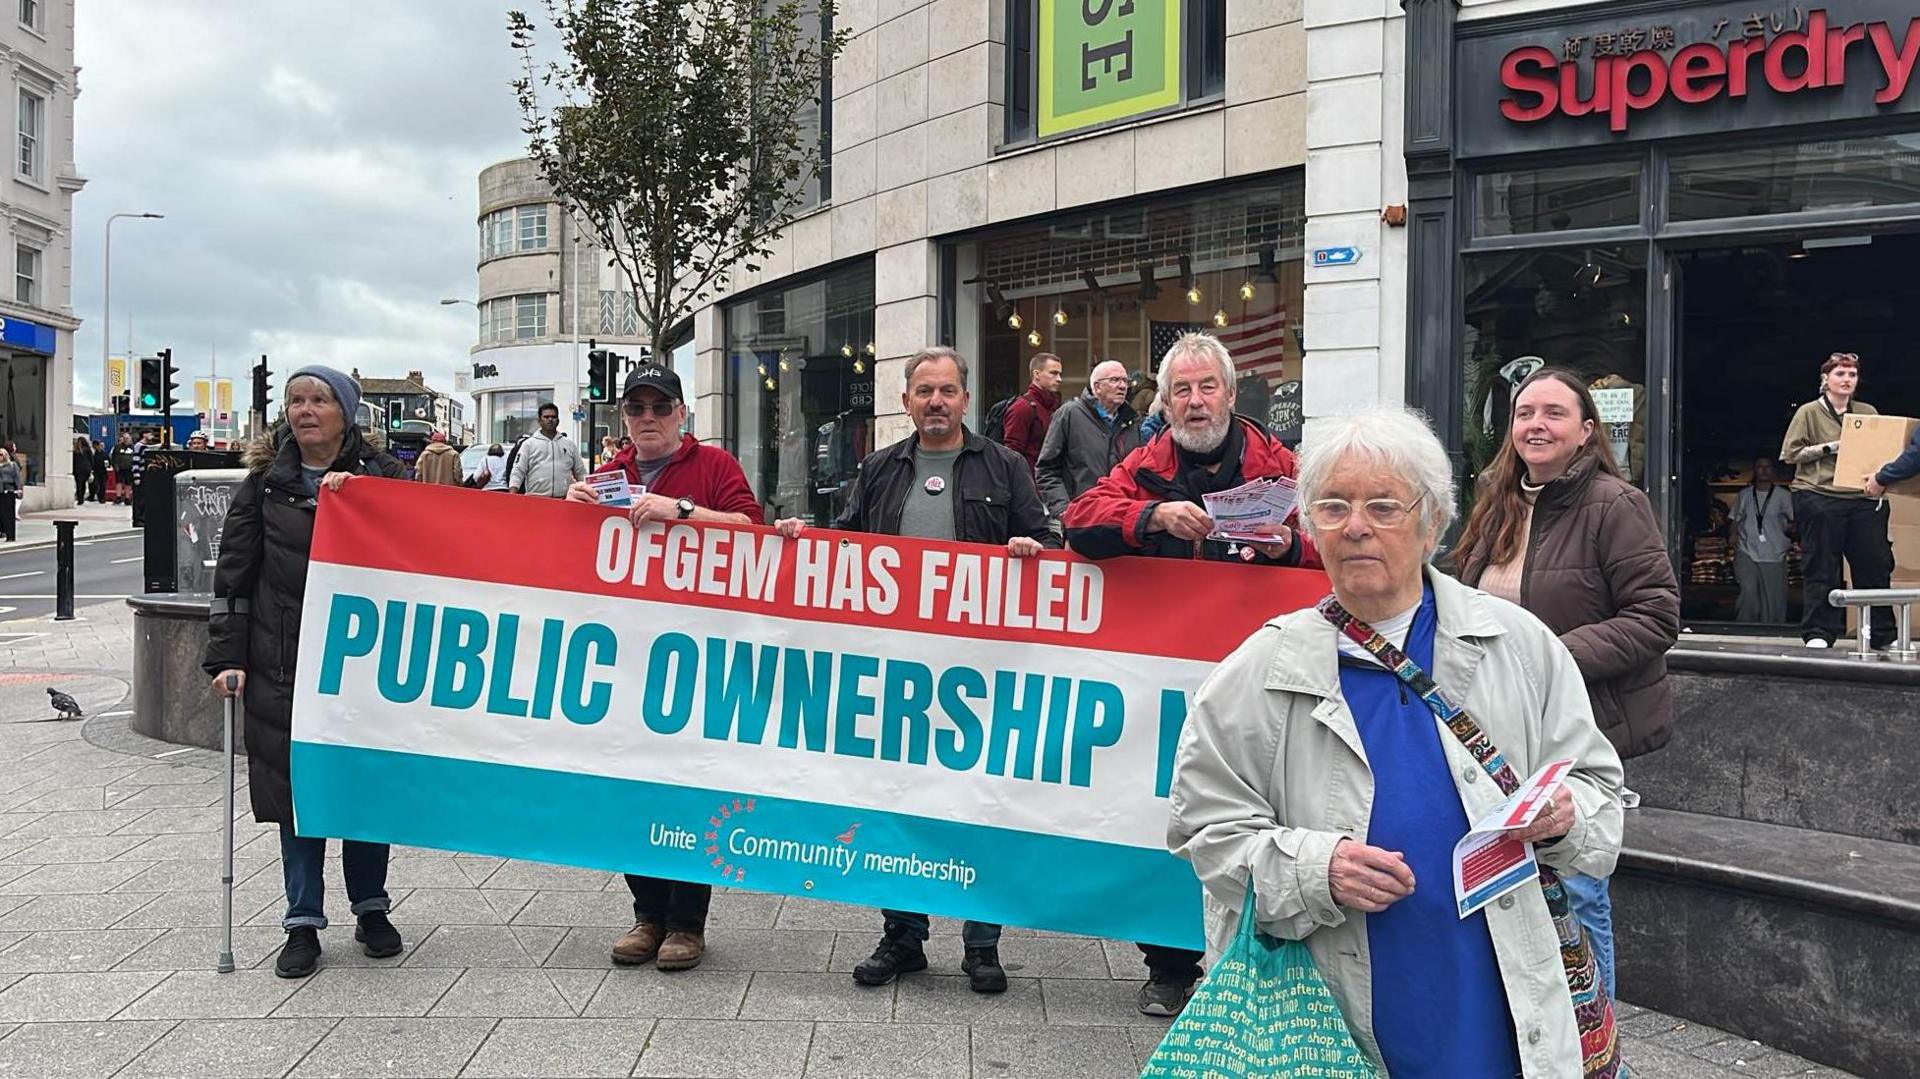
(1593, 905)
(303, 860)
(972, 934)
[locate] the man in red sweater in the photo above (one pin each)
(684, 480)
(1032, 412)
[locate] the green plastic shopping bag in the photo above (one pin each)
(1263, 1010)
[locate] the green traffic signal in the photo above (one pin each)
(148, 400)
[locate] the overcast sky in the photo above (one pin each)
(317, 164)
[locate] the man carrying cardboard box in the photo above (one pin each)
(1835, 521)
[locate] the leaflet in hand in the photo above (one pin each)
(1488, 862)
(1253, 511)
(612, 489)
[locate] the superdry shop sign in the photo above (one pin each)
(1644, 71)
(1106, 60)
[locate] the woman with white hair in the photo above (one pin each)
(1335, 758)
(253, 630)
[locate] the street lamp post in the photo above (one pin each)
(106, 301)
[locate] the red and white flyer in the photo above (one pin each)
(1488, 862)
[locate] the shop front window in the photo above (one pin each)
(1833, 174)
(516, 413)
(1124, 284)
(23, 412)
(800, 373)
(1556, 199)
(1580, 308)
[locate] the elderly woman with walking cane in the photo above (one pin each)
(1333, 761)
(253, 636)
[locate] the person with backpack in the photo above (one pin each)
(1027, 419)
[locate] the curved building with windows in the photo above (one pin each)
(545, 291)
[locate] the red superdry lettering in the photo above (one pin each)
(1540, 85)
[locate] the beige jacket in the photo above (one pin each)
(1271, 775)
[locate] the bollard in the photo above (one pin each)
(63, 570)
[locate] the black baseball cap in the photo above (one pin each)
(652, 376)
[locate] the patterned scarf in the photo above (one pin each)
(1592, 1011)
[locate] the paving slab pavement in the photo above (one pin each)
(109, 905)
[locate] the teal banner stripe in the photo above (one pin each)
(857, 856)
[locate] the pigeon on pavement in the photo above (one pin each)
(65, 705)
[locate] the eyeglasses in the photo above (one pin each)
(1122, 379)
(1331, 514)
(662, 409)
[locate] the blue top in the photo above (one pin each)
(1438, 1005)
(1904, 467)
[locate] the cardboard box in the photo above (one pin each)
(1866, 444)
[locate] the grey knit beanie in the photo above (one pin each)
(345, 389)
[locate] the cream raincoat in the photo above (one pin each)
(1271, 775)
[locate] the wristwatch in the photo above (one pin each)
(686, 508)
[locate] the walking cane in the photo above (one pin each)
(226, 864)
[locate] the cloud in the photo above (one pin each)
(317, 165)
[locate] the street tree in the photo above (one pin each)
(668, 128)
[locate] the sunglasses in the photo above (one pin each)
(661, 409)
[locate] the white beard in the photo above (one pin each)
(1204, 441)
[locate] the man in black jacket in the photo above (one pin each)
(942, 482)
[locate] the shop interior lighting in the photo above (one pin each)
(769, 384)
(1246, 290)
(1189, 281)
(859, 367)
(1220, 318)
(784, 366)
(1269, 264)
(1014, 321)
(763, 370)
(847, 351)
(869, 349)
(1148, 289)
(1001, 308)
(1059, 316)
(1033, 338)
(1797, 253)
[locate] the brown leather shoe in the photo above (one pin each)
(640, 944)
(682, 950)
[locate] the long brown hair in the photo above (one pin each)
(1493, 534)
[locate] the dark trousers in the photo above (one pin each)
(1832, 529)
(302, 864)
(9, 502)
(79, 488)
(673, 903)
(100, 485)
(1178, 966)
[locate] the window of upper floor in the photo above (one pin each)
(33, 121)
(26, 275)
(513, 318)
(33, 15)
(1075, 67)
(513, 230)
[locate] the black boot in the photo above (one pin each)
(377, 936)
(300, 954)
(984, 972)
(899, 953)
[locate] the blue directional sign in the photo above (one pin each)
(1335, 256)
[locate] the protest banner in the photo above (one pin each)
(868, 719)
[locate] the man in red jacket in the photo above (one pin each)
(1150, 504)
(684, 480)
(1031, 413)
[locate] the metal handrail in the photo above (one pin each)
(1900, 599)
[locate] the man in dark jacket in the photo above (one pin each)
(678, 478)
(253, 632)
(942, 482)
(1090, 434)
(1032, 412)
(1904, 467)
(1151, 504)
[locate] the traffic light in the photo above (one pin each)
(262, 388)
(169, 380)
(599, 375)
(149, 383)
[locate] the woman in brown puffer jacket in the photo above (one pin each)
(1557, 529)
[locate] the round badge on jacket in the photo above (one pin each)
(936, 484)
